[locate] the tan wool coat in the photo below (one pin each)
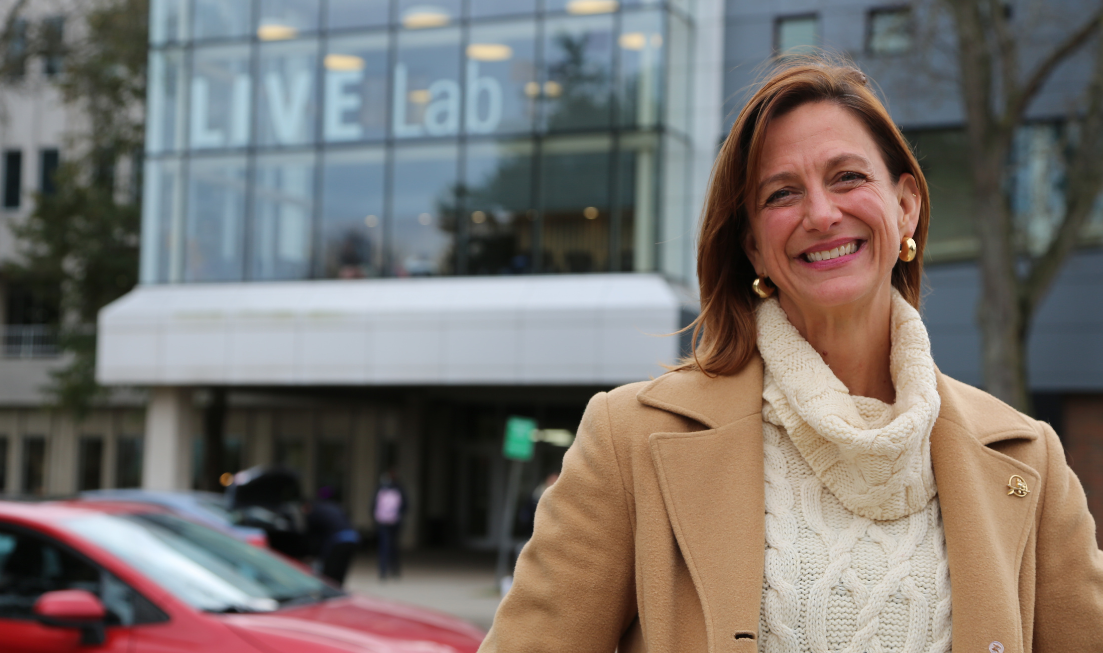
(653, 537)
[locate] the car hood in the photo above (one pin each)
(356, 623)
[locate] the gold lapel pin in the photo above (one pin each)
(1017, 486)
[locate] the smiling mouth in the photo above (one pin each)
(827, 255)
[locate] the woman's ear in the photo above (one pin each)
(910, 204)
(750, 248)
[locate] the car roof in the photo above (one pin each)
(49, 512)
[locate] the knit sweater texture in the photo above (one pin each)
(855, 551)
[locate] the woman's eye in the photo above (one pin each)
(778, 195)
(851, 177)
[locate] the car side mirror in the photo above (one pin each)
(78, 609)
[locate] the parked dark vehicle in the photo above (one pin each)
(270, 498)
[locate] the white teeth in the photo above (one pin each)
(842, 250)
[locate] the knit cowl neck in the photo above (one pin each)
(874, 457)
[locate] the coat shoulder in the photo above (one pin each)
(986, 417)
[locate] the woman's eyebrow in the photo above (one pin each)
(848, 158)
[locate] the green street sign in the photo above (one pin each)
(518, 445)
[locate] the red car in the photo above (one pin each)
(129, 578)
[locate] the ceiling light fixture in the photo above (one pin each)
(489, 52)
(587, 7)
(276, 32)
(343, 62)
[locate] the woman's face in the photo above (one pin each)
(826, 218)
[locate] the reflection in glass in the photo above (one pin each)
(426, 84)
(678, 73)
(638, 196)
(355, 102)
(162, 221)
(347, 14)
(283, 201)
(286, 101)
(578, 73)
(574, 192)
(424, 211)
(165, 117)
(498, 215)
(220, 93)
(352, 214)
(582, 7)
(168, 21)
(423, 14)
(221, 18)
(483, 8)
(215, 224)
(500, 78)
(286, 19)
(639, 89)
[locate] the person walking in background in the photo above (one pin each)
(389, 510)
(332, 538)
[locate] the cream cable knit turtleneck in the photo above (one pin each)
(855, 552)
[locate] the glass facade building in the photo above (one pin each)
(313, 139)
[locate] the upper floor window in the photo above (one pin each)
(796, 34)
(16, 49)
(890, 31)
(49, 160)
(53, 43)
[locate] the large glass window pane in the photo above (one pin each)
(128, 461)
(162, 221)
(678, 215)
(220, 94)
(498, 209)
(423, 14)
(90, 463)
(168, 21)
(286, 101)
(34, 465)
(640, 89)
(165, 116)
(678, 50)
(943, 155)
(427, 84)
(355, 101)
(484, 8)
(424, 209)
(350, 14)
(286, 19)
(283, 202)
(501, 78)
(637, 190)
(578, 75)
(352, 214)
(215, 219)
(574, 193)
(221, 18)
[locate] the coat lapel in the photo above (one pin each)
(986, 528)
(713, 490)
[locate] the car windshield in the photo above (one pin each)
(204, 568)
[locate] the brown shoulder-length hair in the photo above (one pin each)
(724, 334)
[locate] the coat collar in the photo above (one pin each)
(712, 482)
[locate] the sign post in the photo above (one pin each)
(517, 449)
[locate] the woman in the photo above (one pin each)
(808, 480)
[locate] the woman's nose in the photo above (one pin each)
(820, 212)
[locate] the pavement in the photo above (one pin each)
(459, 583)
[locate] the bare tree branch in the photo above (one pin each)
(1005, 43)
(1021, 99)
(1085, 177)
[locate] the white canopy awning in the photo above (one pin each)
(571, 329)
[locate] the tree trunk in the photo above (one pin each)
(999, 308)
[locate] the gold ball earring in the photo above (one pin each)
(907, 250)
(761, 289)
